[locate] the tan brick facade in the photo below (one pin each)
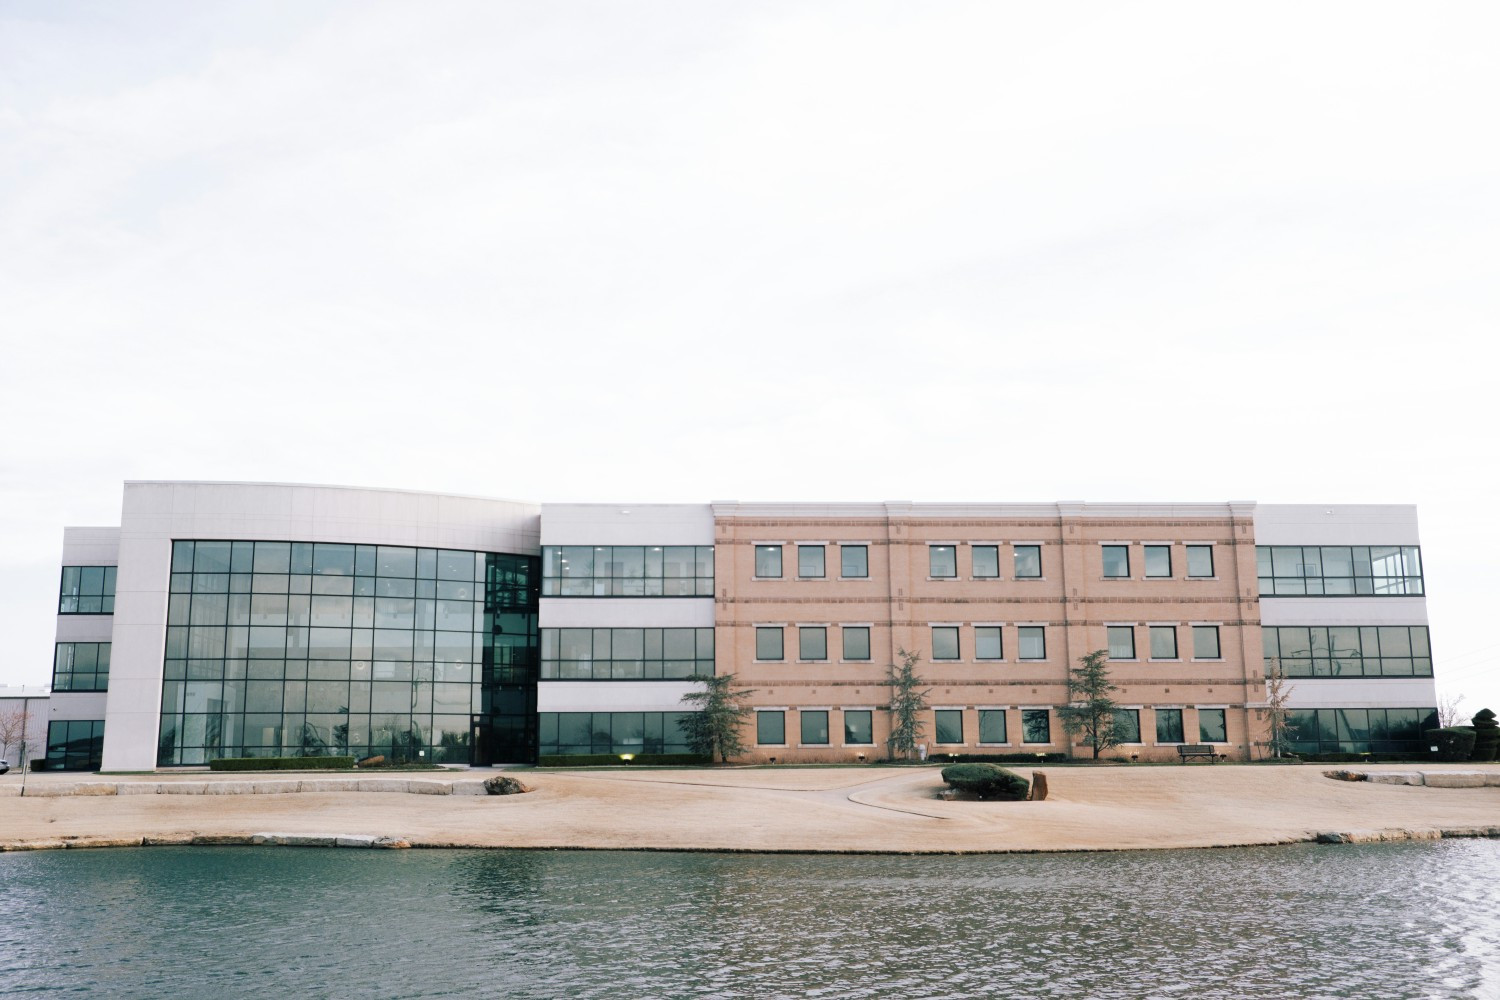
(907, 601)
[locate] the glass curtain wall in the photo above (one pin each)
(312, 649)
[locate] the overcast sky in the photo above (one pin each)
(693, 251)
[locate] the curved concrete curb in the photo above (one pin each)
(1431, 779)
(213, 840)
(1393, 836)
(408, 786)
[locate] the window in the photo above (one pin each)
(1116, 561)
(854, 561)
(856, 642)
(768, 643)
(810, 562)
(1032, 642)
(1349, 650)
(1127, 725)
(945, 642)
(814, 727)
(949, 725)
(1028, 561)
(986, 562)
(88, 590)
(770, 728)
(80, 666)
(1158, 561)
(1211, 727)
(1339, 570)
(992, 725)
(1206, 642)
(768, 562)
(623, 654)
(858, 727)
(1121, 642)
(1035, 726)
(1361, 730)
(812, 642)
(1169, 725)
(75, 745)
(1200, 560)
(1163, 642)
(574, 733)
(567, 570)
(987, 643)
(942, 562)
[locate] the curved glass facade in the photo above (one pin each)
(311, 649)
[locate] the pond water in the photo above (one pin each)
(1418, 920)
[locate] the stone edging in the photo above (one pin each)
(1430, 779)
(413, 786)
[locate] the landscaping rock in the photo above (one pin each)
(1342, 775)
(504, 784)
(1038, 786)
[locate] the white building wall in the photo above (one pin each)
(613, 696)
(33, 701)
(1345, 524)
(156, 513)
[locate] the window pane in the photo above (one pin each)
(992, 725)
(768, 643)
(1121, 642)
(1211, 726)
(1200, 560)
(1206, 642)
(814, 727)
(810, 561)
(855, 561)
(944, 642)
(1127, 725)
(1035, 726)
(812, 643)
(987, 643)
(1032, 642)
(1169, 725)
(858, 728)
(1163, 642)
(768, 561)
(1028, 561)
(949, 725)
(986, 561)
(942, 562)
(770, 727)
(1158, 560)
(856, 642)
(1116, 561)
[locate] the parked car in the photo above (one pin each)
(4, 766)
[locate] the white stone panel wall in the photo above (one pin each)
(1335, 524)
(613, 696)
(627, 524)
(1367, 692)
(627, 612)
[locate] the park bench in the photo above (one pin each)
(1187, 750)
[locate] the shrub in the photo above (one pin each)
(613, 760)
(999, 758)
(988, 781)
(1486, 736)
(281, 764)
(1454, 744)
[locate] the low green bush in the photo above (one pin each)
(613, 759)
(1486, 736)
(1454, 744)
(1344, 757)
(999, 758)
(281, 764)
(988, 781)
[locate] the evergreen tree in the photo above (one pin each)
(908, 702)
(1090, 710)
(715, 728)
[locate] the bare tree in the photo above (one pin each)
(1278, 693)
(12, 729)
(1448, 712)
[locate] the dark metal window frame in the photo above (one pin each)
(974, 562)
(1022, 632)
(71, 601)
(1189, 559)
(780, 631)
(1152, 631)
(554, 668)
(932, 572)
(99, 679)
(1146, 552)
(555, 584)
(780, 562)
(660, 732)
(1104, 565)
(1317, 584)
(761, 716)
(988, 715)
(1308, 666)
(1016, 560)
(958, 649)
(1163, 714)
(1028, 717)
(1218, 642)
(1109, 640)
(822, 551)
(999, 642)
(806, 632)
(864, 551)
(950, 716)
(850, 739)
(810, 715)
(844, 639)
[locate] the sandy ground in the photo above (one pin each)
(864, 809)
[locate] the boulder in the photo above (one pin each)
(504, 784)
(1342, 775)
(1038, 786)
(370, 761)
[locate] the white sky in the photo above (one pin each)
(691, 251)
